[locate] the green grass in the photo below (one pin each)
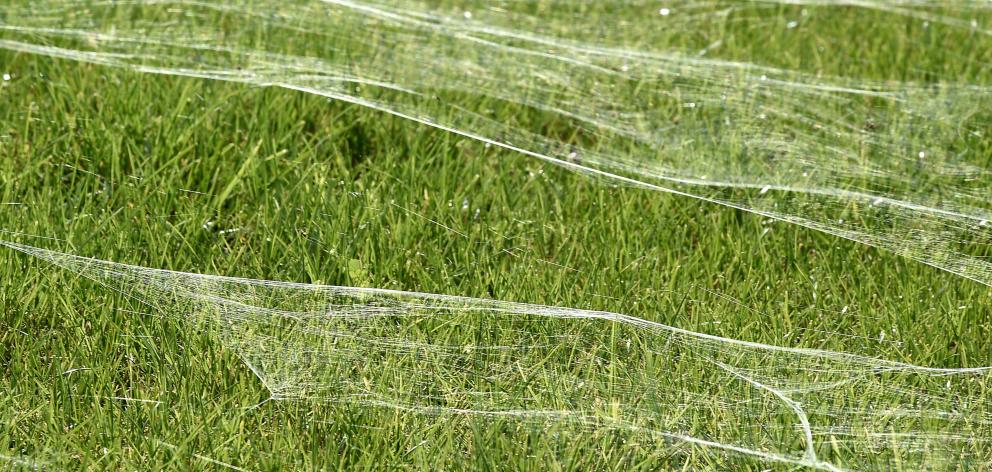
(229, 179)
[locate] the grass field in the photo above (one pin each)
(232, 179)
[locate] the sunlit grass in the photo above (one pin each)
(229, 179)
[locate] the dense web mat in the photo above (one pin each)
(896, 165)
(446, 355)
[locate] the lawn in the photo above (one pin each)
(174, 171)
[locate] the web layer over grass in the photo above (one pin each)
(543, 366)
(897, 164)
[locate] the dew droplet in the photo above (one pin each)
(664, 12)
